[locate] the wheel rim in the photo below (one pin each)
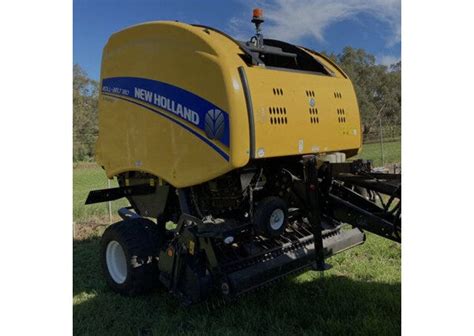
(276, 219)
(116, 262)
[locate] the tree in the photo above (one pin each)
(378, 88)
(85, 101)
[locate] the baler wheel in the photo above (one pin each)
(128, 251)
(271, 216)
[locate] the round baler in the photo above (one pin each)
(233, 157)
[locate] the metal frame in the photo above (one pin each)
(196, 262)
(325, 197)
(112, 194)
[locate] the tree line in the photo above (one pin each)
(85, 96)
(377, 86)
(378, 90)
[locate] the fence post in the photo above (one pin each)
(381, 142)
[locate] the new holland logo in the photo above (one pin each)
(214, 124)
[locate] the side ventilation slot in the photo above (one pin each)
(313, 115)
(337, 95)
(278, 115)
(278, 91)
(341, 115)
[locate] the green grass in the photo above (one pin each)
(360, 295)
(86, 178)
(373, 151)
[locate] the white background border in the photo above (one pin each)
(36, 167)
(438, 189)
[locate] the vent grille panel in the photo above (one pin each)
(278, 91)
(278, 115)
(313, 115)
(341, 115)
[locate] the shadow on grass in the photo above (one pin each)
(308, 305)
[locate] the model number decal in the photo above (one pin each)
(115, 90)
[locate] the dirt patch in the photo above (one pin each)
(389, 168)
(394, 168)
(93, 228)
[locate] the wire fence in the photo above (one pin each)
(383, 146)
(384, 134)
(89, 176)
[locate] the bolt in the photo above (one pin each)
(225, 288)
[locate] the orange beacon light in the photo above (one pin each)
(257, 13)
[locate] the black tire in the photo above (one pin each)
(263, 214)
(139, 240)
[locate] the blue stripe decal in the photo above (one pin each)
(183, 104)
(207, 141)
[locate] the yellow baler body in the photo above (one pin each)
(179, 102)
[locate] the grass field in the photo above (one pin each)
(88, 177)
(360, 295)
(373, 151)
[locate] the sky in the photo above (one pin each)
(322, 25)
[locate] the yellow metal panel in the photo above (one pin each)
(298, 113)
(135, 135)
(162, 80)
